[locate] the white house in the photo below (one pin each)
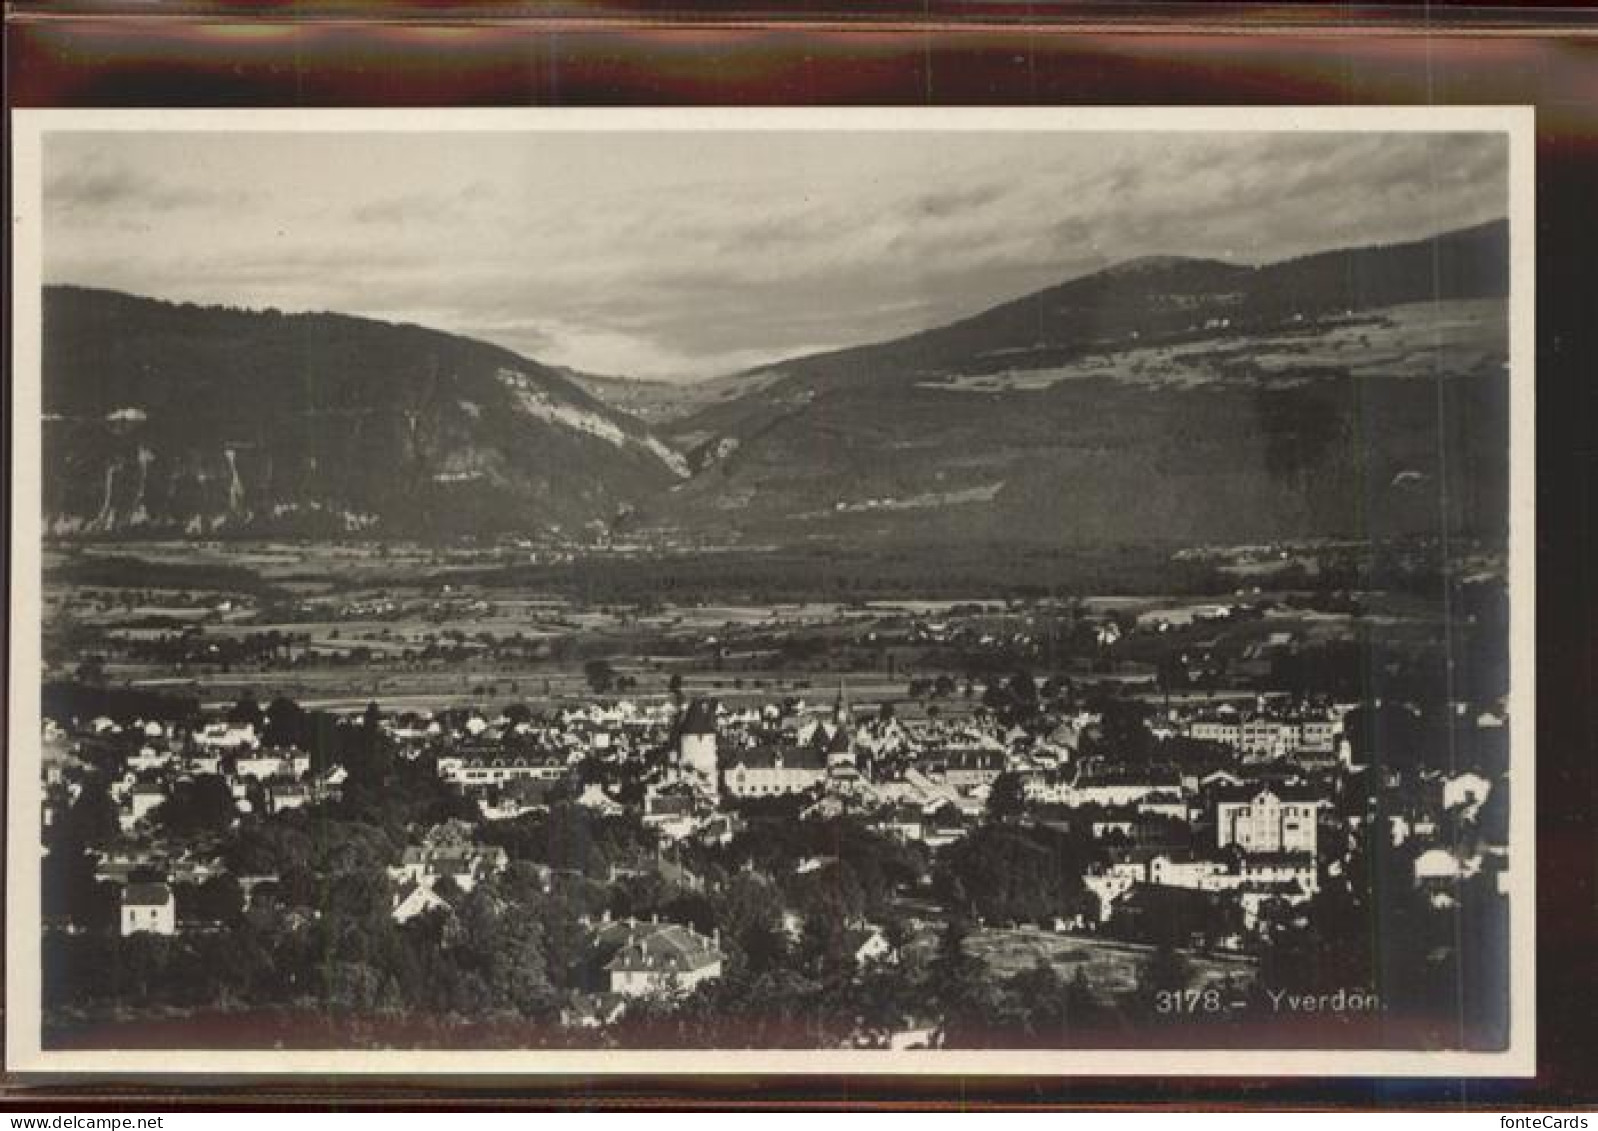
(149, 909)
(657, 958)
(227, 736)
(413, 899)
(1196, 873)
(1465, 791)
(142, 801)
(1441, 864)
(1108, 887)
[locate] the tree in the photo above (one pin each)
(247, 712)
(69, 889)
(1024, 692)
(92, 819)
(1038, 1002)
(1123, 734)
(219, 899)
(601, 676)
(355, 987)
(1165, 971)
(749, 910)
(1006, 797)
(520, 973)
(196, 807)
(350, 846)
(268, 848)
(884, 998)
(958, 979)
(360, 901)
(286, 724)
(503, 946)
(1013, 873)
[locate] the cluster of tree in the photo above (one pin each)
(485, 960)
(943, 990)
(603, 678)
(570, 838)
(1007, 873)
(1439, 969)
(126, 571)
(266, 649)
(852, 870)
(964, 569)
(78, 700)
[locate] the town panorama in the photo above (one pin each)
(1119, 666)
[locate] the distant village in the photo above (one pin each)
(1229, 821)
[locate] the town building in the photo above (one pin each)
(414, 898)
(1265, 819)
(448, 851)
(502, 767)
(965, 769)
(646, 959)
(149, 909)
(767, 771)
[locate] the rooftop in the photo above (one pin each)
(666, 947)
(146, 895)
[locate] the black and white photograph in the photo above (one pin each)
(859, 590)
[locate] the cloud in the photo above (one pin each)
(105, 190)
(685, 255)
(957, 201)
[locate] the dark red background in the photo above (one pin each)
(352, 54)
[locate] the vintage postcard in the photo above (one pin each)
(1036, 591)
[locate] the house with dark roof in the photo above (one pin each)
(965, 767)
(672, 814)
(643, 959)
(902, 821)
(769, 771)
(287, 795)
(149, 909)
(464, 862)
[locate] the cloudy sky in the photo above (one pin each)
(688, 255)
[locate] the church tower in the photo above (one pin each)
(696, 745)
(840, 747)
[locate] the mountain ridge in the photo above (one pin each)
(1166, 398)
(1189, 400)
(1278, 287)
(176, 418)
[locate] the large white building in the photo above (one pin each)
(771, 772)
(1264, 819)
(272, 762)
(1262, 735)
(503, 767)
